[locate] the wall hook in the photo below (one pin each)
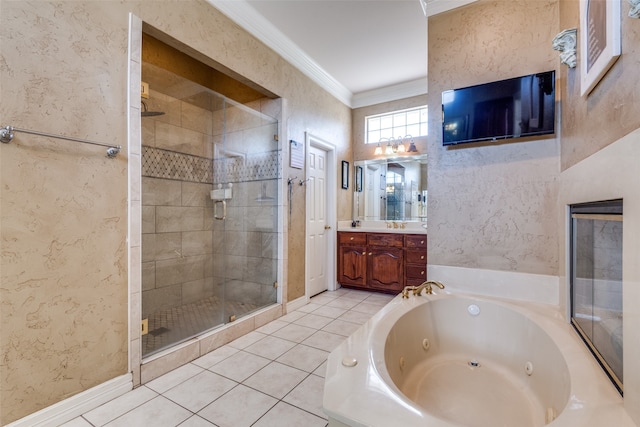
(303, 182)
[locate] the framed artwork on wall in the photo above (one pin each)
(345, 175)
(359, 179)
(600, 44)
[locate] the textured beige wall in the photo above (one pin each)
(64, 205)
(492, 206)
(612, 109)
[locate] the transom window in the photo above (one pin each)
(396, 124)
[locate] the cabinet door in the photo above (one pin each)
(386, 268)
(352, 265)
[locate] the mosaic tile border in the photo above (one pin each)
(159, 163)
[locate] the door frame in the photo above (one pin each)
(313, 141)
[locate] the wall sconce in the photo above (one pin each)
(565, 42)
(634, 12)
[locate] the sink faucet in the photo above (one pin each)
(417, 290)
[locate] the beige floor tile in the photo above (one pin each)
(276, 379)
(247, 340)
(295, 333)
(313, 321)
(272, 327)
(324, 341)
(304, 357)
(241, 407)
(158, 412)
(240, 367)
(308, 308)
(197, 421)
(331, 312)
(77, 422)
(322, 370)
(199, 391)
(270, 347)
(119, 406)
(345, 303)
(355, 317)
(367, 308)
(173, 378)
(308, 395)
(290, 317)
(341, 327)
(215, 356)
(287, 415)
(322, 299)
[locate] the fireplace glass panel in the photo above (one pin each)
(596, 281)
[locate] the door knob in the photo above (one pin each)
(328, 227)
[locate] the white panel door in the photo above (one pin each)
(317, 194)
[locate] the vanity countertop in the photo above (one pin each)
(384, 227)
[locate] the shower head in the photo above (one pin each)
(146, 113)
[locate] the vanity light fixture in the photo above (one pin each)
(378, 150)
(395, 146)
(412, 145)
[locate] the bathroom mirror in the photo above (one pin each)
(391, 189)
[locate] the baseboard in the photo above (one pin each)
(539, 288)
(74, 406)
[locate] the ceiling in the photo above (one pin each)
(362, 51)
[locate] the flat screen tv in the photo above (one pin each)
(513, 108)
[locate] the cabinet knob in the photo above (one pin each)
(422, 242)
(352, 238)
(421, 256)
(422, 273)
(370, 253)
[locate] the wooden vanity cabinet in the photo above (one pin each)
(385, 261)
(415, 255)
(381, 261)
(352, 259)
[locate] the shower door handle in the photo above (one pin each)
(224, 209)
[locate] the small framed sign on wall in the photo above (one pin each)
(296, 154)
(599, 40)
(345, 175)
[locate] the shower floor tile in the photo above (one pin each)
(271, 377)
(173, 325)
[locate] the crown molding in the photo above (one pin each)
(255, 24)
(434, 7)
(390, 93)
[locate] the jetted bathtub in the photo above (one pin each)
(460, 360)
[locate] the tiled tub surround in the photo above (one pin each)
(273, 376)
(198, 271)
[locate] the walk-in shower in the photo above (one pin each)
(210, 173)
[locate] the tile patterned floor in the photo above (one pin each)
(273, 376)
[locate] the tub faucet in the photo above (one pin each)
(417, 290)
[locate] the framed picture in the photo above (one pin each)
(345, 174)
(359, 179)
(600, 43)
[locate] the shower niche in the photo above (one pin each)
(596, 282)
(206, 259)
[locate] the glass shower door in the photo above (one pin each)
(245, 197)
(210, 171)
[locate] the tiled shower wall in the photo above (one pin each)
(187, 255)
